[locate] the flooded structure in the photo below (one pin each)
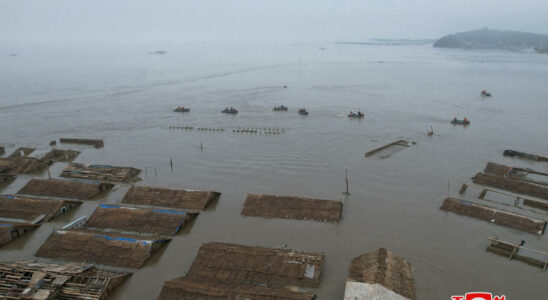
(2, 150)
(107, 248)
(288, 207)
(513, 153)
(380, 275)
(12, 230)
(6, 179)
(262, 266)
(22, 152)
(518, 252)
(61, 155)
(58, 188)
(182, 199)
(101, 173)
(140, 220)
(34, 210)
(229, 271)
(33, 280)
(93, 142)
(512, 184)
(21, 165)
(388, 150)
(494, 215)
(188, 288)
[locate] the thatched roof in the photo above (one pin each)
(29, 209)
(385, 268)
(21, 152)
(84, 190)
(93, 142)
(140, 220)
(256, 265)
(512, 185)
(2, 150)
(184, 288)
(32, 280)
(288, 207)
(119, 250)
(494, 215)
(6, 179)
(12, 230)
(183, 199)
(21, 165)
(61, 155)
(101, 173)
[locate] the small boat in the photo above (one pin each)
(460, 122)
(303, 111)
(484, 93)
(280, 108)
(230, 110)
(181, 109)
(358, 115)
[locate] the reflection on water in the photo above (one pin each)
(127, 97)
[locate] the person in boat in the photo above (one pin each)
(360, 114)
(455, 119)
(465, 120)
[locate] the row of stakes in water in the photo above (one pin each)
(265, 130)
(255, 130)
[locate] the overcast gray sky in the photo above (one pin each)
(57, 21)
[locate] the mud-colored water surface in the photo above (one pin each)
(126, 97)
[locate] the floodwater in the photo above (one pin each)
(126, 96)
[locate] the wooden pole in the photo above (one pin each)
(201, 147)
(49, 175)
(171, 163)
(346, 181)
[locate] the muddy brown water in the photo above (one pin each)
(126, 97)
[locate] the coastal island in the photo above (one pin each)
(494, 39)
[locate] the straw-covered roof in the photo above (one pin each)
(83, 190)
(6, 179)
(21, 165)
(21, 152)
(256, 265)
(101, 173)
(385, 268)
(61, 155)
(288, 207)
(28, 208)
(493, 215)
(140, 220)
(184, 288)
(12, 230)
(512, 185)
(33, 280)
(119, 250)
(182, 199)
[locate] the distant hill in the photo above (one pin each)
(493, 39)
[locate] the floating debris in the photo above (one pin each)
(58, 188)
(101, 172)
(380, 275)
(182, 199)
(94, 142)
(494, 215)
(34, 280)
(288, 207)
(388, 150)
